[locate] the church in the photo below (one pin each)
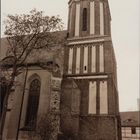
(77, 81)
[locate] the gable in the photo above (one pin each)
(130, 118)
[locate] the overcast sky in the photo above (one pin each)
(125, 35)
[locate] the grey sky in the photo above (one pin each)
(125, 35)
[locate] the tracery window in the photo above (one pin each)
(85, 19)
(33, 101)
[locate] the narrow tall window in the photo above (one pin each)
(33, 101)
(101, 68)
(103, 97)
(77, 19)
(93, 59)
(70, 61)
(101, 18)
(85, 66)
(78, 60)
(85, 19)
(92, 17)
(92, 97)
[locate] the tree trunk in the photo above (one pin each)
(5, 102)
(4, 110)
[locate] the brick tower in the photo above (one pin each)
(89, 101)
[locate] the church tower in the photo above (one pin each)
(89, 101)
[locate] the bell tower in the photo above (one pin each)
(88, 18)
(89, 102)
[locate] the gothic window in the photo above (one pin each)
(84, 19)
(33, 101)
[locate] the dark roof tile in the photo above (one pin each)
(131, 118)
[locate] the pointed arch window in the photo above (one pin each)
(33, 102)
(84, 19)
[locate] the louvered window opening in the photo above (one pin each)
(85, 19)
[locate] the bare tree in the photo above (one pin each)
(26, 33)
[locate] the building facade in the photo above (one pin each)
(130, 122)
(89, 86)
(36, 93)
(84, 93)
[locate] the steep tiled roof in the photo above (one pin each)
(61, 35)
(42, 55)
(131, 118)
